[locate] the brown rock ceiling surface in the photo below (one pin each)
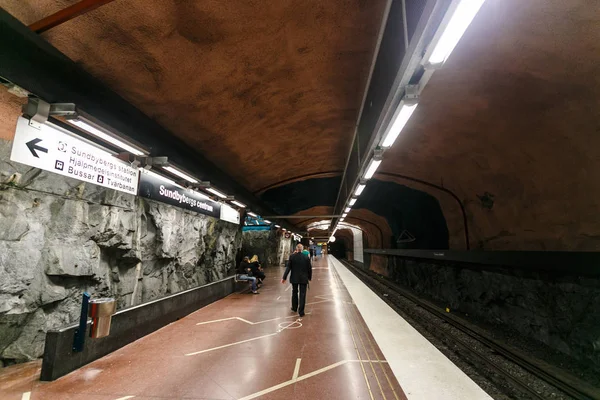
(515, 111)
(267, 90)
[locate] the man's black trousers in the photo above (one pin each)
(298, 305)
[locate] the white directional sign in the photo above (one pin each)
(52, 150)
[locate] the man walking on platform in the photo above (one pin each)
(300, 267)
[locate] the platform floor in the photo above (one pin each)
(253, 346)
(242, 347)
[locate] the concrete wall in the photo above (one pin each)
(60, 237)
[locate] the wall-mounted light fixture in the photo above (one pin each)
(216, 192)
(277, 226)
(237, 203)
(180, 173)
(252, 214)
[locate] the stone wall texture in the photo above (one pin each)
(559, 311)
(271, 247)
(60, 237)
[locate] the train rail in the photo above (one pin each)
(561, 380)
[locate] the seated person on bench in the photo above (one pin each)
(245, 274)
(257, 270)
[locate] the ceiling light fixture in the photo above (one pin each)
(267, 222)
(458, 18)
(277, 226)
(374, 164)
(359, 189)
(180, 174)
(105, 135)
(347, 210)
(344, 215)
(237, 203)
(401, 116)
(252, 214)
(217, 193)
(352, 202)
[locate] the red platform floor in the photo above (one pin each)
(242, 347)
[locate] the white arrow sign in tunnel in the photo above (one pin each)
(52, 150)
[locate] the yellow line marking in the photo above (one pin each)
(230, 344)
(296, 369)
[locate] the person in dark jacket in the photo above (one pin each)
(300, 267)
(257, 270)
(245, 274)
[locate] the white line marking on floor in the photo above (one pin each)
(26, 396)
(278, 297)
(125, 398)
(296, 369)
(303, 377)
(288, 288)
(231, 344)
(244, 320)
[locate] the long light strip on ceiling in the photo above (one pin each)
(399, 120)
(347, 210)
(217, 193)
(252, 214)
(461, 13)
(359, 189)
(89, 128)
(344, 215)
(267, 222)
(352, 202)
(180, 174)
(237, 203)
(373, 165)
(277, 226)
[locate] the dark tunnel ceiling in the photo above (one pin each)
(267, 90)
(404, 208)
(271, 92)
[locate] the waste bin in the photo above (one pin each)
(101, 312)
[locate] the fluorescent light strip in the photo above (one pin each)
(359, 189)
(237, 203)
(344, 215)
(352, 202)
(459, 22)
(347, 210)
(277, 226)
(180, 174)
(252, 214)
(400, 119)
(216, 192)
(373, 165)
(163, 178)
(106, 137)
(267, 222)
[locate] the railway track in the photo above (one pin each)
(561, 380)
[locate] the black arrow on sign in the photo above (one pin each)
(32, 146)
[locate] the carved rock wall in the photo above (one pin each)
(60, 237)
(271, 247)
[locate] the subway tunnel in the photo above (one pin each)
(445, 148)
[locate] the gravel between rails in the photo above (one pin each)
(447, 338)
